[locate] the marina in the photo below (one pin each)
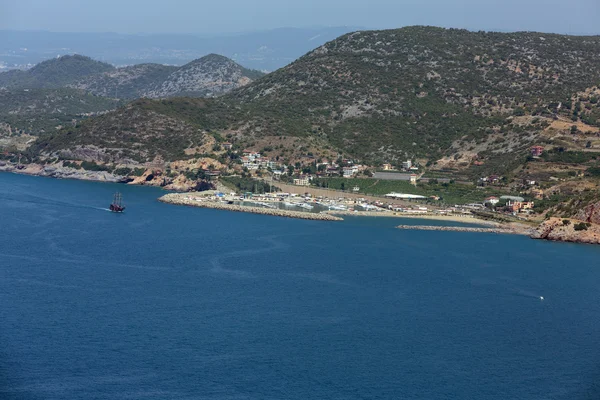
(188, 200)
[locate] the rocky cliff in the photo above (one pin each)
(591, 213)
(568, 230)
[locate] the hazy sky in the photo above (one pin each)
(217, 16)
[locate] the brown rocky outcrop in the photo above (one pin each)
(151, 177)
(591, 213)
(563, 230)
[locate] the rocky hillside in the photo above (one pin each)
(568, 230)
(35, 111)
(444, 97)
(422, 91)
(54, 73)
(126, 83)
(131, 135)
(209, 76)
(63, 90)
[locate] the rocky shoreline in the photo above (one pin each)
(189, 200)
(63, 173)
(503, 230)
(553, 229)
(564, 230)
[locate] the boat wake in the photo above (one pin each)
(525, 293)
(500, 284)
(50, 202)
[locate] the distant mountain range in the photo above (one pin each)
(70, 88)
(264, 50)
(209, 76)
(54, 73)
(445, 97)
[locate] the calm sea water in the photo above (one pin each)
(167, 302)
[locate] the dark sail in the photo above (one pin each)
(117, 204)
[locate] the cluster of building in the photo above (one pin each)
(406, 166)
(346, 168)
(254, 160)
(325, 168)
(513, 204)
(490, 180)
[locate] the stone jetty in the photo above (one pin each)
(187, 200)
(460, 229)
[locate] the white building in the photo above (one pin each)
(407, 164)
(302, 180)
(404, 196)
(349, 172)
(493, 200)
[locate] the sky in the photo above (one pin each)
(227, 16)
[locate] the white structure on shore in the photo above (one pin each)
(394, 195)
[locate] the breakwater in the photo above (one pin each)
(187, 200)
(460, 229)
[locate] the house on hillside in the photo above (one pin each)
(493, 200)
(530, 182)
(406, 164)
(537, 151)
(537, 194)
(517, 206)
(302, 180)
(387, 167)
(227, 146)
(494, 179)
(324, 162)
(214, 174)
(332, 171)
(253, 155)
(349, 172)
(249, 163)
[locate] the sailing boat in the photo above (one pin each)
(117, 204)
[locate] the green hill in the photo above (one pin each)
(209, 76)
(54, 73)
(130, 82)
(35, 111)
(438, 95)
(415, 91)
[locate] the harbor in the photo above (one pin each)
(315, 208)
(206, 202)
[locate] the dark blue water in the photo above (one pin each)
(167, 302)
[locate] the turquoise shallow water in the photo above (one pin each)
(167, 302)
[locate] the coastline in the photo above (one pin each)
(189, 200)
(550, 230)
(466, 219)
(500, 230)
(63, 173)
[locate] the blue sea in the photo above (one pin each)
(168, 302)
